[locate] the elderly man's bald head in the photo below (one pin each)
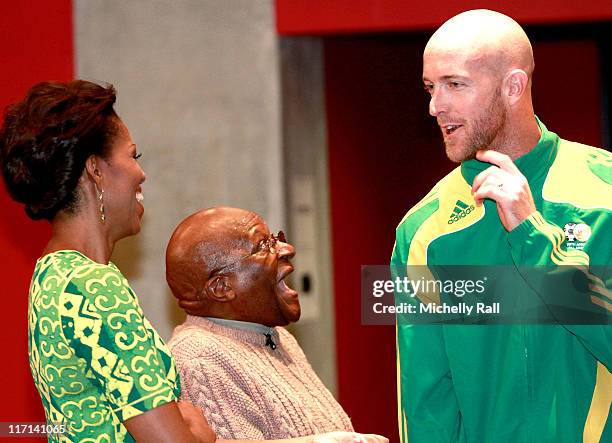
(203, 242)
(485, 37)
(225, 263)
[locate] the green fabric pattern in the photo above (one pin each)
(96, 360)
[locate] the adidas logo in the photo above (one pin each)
(460, 211)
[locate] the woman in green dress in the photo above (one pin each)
(102, 371)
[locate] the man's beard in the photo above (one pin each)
(484, 131)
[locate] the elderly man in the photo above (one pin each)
(248, 375)
(518, 187)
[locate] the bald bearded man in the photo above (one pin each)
(518, 188)
(248, 375)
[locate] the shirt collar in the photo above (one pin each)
(532, 165)
(243, 325)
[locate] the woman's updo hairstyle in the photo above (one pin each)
(46, 139)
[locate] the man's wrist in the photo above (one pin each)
(526, 227)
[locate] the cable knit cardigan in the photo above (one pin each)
(246, 389)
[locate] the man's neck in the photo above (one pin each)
(520, 136)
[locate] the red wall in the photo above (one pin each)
(385, 153)
(295, 17)
(567, 91)
(35, 45)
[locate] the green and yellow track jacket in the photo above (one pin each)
(520, 382)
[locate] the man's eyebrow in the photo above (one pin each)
(259, 233)
(448, 77)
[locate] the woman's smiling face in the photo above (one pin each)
(122, 178)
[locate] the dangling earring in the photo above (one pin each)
(101, 199)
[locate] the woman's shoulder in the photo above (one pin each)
(68, 259)
(60, 265)
(79, 273)
(71, 260)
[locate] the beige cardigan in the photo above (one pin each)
(246, 389)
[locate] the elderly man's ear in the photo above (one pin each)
(197, 300)
(219, 289)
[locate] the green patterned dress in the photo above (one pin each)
(96, 360)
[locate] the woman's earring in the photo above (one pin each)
(101, 199)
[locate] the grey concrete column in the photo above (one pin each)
(198, 86)
(305, 150)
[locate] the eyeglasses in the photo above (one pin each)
(267, 244)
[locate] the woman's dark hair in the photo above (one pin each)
(46, 139)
